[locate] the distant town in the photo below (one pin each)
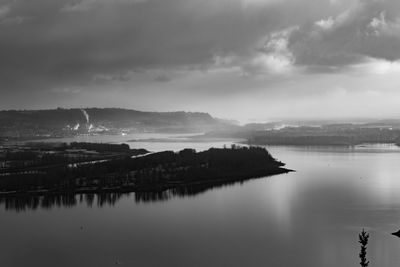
(30, 125)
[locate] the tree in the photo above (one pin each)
(363, 240)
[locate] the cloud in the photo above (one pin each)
(7, 18)
(325, 24)
(4, 10)
(162, 78)
(123, 76)
(377, 67)
(378, 23)
(369, 29)
(274, 56)
(85, 5)
(14, 20)
(64, 90)
(258, 3)
(75, 43)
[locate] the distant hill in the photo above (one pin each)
(62, 122)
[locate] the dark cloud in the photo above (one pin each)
(67, 43)
(70, 46)
(162, 78)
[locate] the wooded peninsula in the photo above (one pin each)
(119, 169)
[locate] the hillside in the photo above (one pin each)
(66, 122)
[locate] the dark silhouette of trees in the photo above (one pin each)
(363, 240)
(152, 173)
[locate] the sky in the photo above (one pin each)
(250, 60)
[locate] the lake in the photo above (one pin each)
(310, 217)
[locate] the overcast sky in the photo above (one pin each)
(241, 59)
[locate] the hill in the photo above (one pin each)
(66, 122)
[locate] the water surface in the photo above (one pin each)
(307, 218)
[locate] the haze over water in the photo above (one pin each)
(310, 217)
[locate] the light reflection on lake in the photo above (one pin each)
(307, 218)
(151, 141)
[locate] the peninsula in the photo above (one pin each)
(154, 172)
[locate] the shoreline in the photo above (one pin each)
(143, 189)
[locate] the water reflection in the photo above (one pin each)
(34, 202)
(311, 217)
(183, 191)
(24, 203)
